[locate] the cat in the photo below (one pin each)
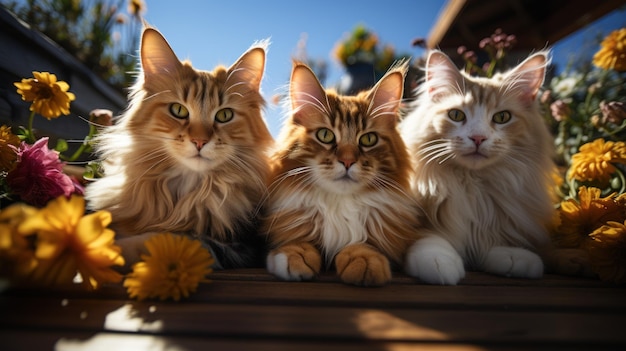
(482, 158)
(190, 155)
(340, 184)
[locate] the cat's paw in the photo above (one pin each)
(361, 264)
(295, 262)
(434, 261)
(513, 262)
(573, 262)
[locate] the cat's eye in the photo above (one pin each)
(456, 115)
(224, 115)
(325, 135)
(179, 111)
(368, 139)
(501, 117)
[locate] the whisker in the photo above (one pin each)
(317, 103)
(375, 112)
(156, 94)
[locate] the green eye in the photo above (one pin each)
(224, 115)
(456, 115)
(368, 139)
(325, 135)
(179, 111)
(501, 117)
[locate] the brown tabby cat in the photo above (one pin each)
(341, 183)
(189, 155)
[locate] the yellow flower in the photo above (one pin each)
(612, 54)
(596, 161)
(8, 155)
(579, 219)
(50, 97)
(69, 242)
(174, 266)
(607, 252)
(17, 258)
(136, 7)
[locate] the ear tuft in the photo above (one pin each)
(386, 95)
(442, 76)
(307, 95)
(157, 57)
(250, 66)
(528, 76)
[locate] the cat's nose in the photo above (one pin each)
(478, 139)
(199, 143)
(347, 162)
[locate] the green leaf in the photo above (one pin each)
(61, 145)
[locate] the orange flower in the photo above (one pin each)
(69, 242)
(612, 54)
(17, 258)
(580, 218)
(174, 267)
(8, 155)
(50, 97)
(607, 252)
(596, 161)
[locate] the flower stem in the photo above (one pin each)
(83, 146)
(30, 135)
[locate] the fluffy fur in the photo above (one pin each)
(188, 156)
(337, 196)
(484, 180)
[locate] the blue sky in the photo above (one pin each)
(218, 32)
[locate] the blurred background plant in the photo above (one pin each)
(365, 59)
(496, 47)
(102, 34)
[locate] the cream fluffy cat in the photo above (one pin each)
(340, 193)
(188, 156)
(482, 161)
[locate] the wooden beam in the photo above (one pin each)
(444, 21)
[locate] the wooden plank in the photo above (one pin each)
(313, 322)
(107, 341)
(472, 278)
(330, 293)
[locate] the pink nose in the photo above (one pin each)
(478, 139)
(199, 143)
(347, 162)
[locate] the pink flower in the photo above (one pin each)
(38, 175)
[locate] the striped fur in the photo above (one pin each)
(193, 175)
(345, 212)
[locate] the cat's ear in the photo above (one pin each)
(442, 76)
(307, 95)
(527, 78)
(250, 66)
(387, 94)
(157, 56)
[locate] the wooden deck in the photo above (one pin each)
(251, 310)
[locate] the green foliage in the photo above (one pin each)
(96, 32)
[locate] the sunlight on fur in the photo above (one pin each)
(482, 171)
(189, 155)
(340, 187)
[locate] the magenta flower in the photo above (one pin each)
(38, 175)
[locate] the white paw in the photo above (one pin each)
(278, 265)
(434, 261)
(513, 262)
